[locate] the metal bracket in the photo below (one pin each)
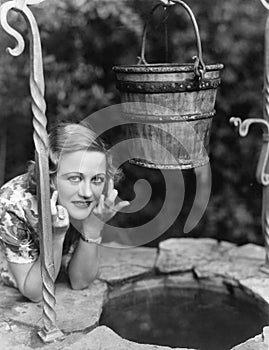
(50, 331)
(261, 175)
(265, 4)
(168, 2)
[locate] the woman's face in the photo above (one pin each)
(80, 181)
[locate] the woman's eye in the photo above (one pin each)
(98, 180)
(74, 178)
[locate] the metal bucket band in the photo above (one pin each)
(168, 86)
(181, 165)
(150, 118)
(163, 68)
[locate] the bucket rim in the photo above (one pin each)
(163, 68)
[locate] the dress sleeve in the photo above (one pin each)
(17, 238)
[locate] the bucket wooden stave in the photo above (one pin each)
(170, 105)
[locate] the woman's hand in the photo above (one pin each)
(104, 211)
(28, 276)
(60, 217)
(106, 208)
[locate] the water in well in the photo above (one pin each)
(180, 317)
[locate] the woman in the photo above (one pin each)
(83, 198)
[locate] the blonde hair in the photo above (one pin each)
(71, 137)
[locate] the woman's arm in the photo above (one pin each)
(28, 276)
(83, 267)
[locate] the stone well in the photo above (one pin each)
(203, 263)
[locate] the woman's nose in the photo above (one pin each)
(85, 189)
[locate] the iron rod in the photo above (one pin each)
(49, 331)
(265, 197)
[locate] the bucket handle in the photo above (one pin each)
(199, 65)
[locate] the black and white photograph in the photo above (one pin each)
(134, 174)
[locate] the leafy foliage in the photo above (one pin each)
(83, 39)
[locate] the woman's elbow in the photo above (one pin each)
(78, 283)
(34, 296)
(35, 299)
(33, 293)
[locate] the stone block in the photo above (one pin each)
(75, 310)
(179, 255)
(103, 338)
(118, 264)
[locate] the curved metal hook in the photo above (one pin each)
(261, 175)
(33, 2)
(49, 332)
(199, 65)
(167, 2)
(244, 126)
(20, 45)
(265, 4)
(21, 6)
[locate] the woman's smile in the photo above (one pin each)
(82, 204)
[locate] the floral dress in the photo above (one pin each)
(19, 239)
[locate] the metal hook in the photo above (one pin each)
(168, 3)
(49, 332)
(265, 4)
(243, 129)
(19, 5)
(5, 8)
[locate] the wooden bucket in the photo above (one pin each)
(170, 108)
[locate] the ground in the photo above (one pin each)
(201, 263)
